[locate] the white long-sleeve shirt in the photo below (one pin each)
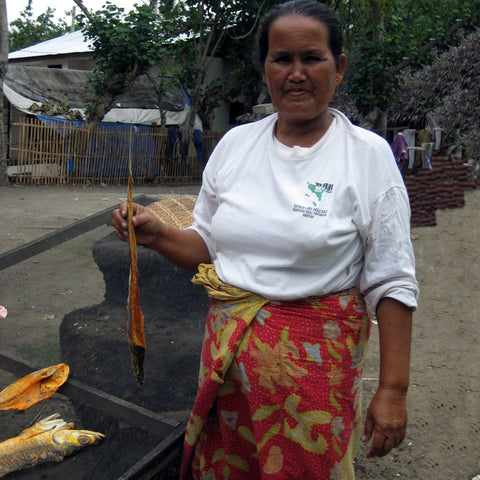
(290, 223)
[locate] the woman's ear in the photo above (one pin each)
(341, 66)
(264, 78)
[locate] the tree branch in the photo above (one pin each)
(84, 10)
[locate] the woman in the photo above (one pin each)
(301, 218)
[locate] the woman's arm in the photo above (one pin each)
(387, 414)
(185, 248)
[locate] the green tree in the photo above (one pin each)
(27, 30)
(244, 83)
(225, 29)
(449, 89)
(203, 27)
(187, 33)
(385, 37)
(382, 39)
(126, 45)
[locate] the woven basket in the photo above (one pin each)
(175, 211)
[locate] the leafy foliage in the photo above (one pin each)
(226, 29)
(26, 30)
(449, 89)
(383, 37)
(206, 25)
(126, 46)
(244, 83)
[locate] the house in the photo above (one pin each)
(66, 93)
(72, 51)
(57, 98)
(50, 81)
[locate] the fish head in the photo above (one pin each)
(56, 375)
(34, 387)
(71, 440)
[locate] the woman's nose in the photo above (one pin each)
(297, 71)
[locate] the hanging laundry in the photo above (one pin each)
(172, 141)
(436, 131)
(424, 137)
(409, 135)
(400, 152)
(198, 140)
(184, 141)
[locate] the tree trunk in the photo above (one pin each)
(3, 71)
(98, 109)
(195, 97)
(377, 121)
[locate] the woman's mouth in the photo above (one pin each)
(296, 92)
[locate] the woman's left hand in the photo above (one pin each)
(386, 421)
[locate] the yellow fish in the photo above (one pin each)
(50, 440)
(34, 388)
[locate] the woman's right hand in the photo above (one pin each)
(147, 226)
(184, 248)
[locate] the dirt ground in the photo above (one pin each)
(443, 440)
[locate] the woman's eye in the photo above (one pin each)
(283, 59)
(312, 59)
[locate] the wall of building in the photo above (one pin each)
(219, 69)
(79, 63)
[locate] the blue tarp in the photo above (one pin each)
(114, 139)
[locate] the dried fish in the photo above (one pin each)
(34, 387)
(50, 439)
(136, 333)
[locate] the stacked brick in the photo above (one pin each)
(441, 187)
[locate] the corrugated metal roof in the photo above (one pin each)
(69, 43)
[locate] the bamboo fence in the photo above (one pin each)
(70, 152)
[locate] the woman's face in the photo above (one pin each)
(300, 69)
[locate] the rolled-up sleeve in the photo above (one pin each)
(389, 268)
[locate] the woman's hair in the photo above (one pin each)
(307, 8)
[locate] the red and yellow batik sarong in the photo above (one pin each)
(279, 386)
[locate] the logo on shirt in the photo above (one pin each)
(313, 196)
